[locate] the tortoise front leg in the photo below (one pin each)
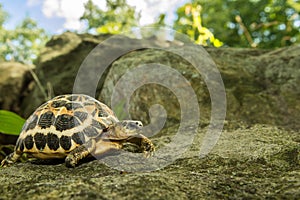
(145, 144)
(79, 153)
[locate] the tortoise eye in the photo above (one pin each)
(139, 124)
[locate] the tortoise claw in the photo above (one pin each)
(148, 148)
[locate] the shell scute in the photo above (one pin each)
(58, 103)
(73, 106)
(65, 142)
(29, 142)
(40, 141)
(65, 122)
(31, 123)
(46, 119)
(90, 132)
(82, 116)
(52, 141)
(78, 138)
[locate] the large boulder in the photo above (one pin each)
(14, 84)
(261, 86)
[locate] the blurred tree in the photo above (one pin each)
(23, 43)
(253, 23)
(3, 17)
(189, 21)
(118, 17)
(160, 20)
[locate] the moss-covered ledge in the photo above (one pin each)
(257, 162)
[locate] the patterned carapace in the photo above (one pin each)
(75, 126)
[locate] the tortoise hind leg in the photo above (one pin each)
(79, 153)
(10, 159)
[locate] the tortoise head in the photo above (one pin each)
(124, 129)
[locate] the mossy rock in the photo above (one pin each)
(256, 162)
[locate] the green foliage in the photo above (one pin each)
(253, 23)
(118, 17)
(10, 123)
(22, 44)
(3, 17)
(159, 21)
(189, 21)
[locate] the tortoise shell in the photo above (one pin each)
(62, 124)
(76, 126)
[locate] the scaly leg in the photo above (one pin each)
(10, 159)
(145, 145)
(79, 153)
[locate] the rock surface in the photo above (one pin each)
(257, 162)
(261, 86)
(256, 157)
(14, 83)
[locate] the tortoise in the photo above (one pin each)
(75, 126)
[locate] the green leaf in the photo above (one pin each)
(10, 123)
